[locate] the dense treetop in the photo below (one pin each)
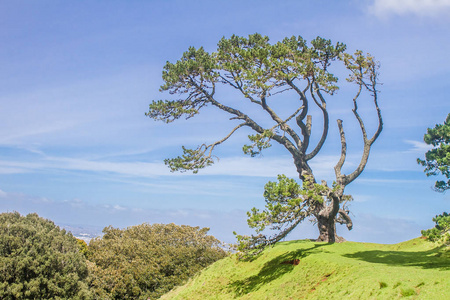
(146, 261)
(39, 261)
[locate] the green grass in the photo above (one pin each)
(415, 269)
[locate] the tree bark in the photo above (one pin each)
(327, 230)
(326, 221)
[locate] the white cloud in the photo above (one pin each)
(9, 170)
(383, 8)
(238, 166)
(418, 147)
(118, 207)
(362, 198)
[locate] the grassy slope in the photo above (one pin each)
(414, 269)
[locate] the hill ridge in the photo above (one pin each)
(415, 269)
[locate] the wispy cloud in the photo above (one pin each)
(385, 182)
(429, 8)
(417, 147)
(323, 166)
(368, 227)
(376, 229)
(74, 212)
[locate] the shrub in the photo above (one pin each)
(146, 261)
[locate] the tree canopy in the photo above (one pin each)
(437, 160)
(146, 261)
(39, 261)
(260, 72)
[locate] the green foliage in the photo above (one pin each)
(190, 160)
(83, 247)
(253, 66)
(262, 67)
(145, 261)
(39, 261)
(192, 73)
(437, 160)
(441, 231)
(287, 204)
(260, 142)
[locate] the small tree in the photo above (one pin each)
(437, 160)
(260, 71)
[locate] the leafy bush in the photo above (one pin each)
(146, 261)
(39, 261)
(440, 232)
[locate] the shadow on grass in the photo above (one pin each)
(431, 259)
(272, 270)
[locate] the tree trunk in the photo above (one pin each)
(325, 214)
(327, 230)
(326, 221)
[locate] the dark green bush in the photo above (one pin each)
(39, 261)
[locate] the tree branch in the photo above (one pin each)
(282, 124)
(225, 138)
(197, 159)
(323, 107)
(340, 163)
(302, 115)
(371, 87)
(345, 219)
(238, 86)
(249, 122)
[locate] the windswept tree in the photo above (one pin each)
(260, 71)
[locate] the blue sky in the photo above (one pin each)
(77, 77)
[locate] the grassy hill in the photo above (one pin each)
(415, 269)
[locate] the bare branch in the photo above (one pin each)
(358, 117)
(224, 139)
(249, 122)
(238, 86)
(367, 142)
(323, 107)
(302, 116)
(345, 219)
(338, 167)
(282, 124)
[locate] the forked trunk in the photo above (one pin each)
(327, 230)
(326, 221)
